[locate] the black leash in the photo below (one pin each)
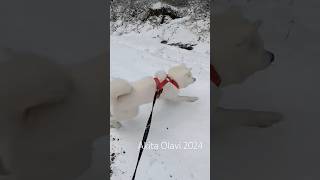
(146, 131)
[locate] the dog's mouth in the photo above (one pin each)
(271, 56)
(268, 58)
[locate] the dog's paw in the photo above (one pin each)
(115, 124)
(192, 99)
(264, 119)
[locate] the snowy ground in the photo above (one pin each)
(291, 86)
(134, 56)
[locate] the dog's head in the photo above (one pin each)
(238, 48)
(182, 75)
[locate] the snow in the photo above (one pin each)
(183, 29)
(134, 56)
(290, 86)
(159, 5)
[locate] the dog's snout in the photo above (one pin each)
(272, 56)
(194, 79)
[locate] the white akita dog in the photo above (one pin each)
(238, 53)
(50, 115)
(126, 97)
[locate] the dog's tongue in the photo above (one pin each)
(214, 76)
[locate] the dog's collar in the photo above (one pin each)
(214, 75)
(161, 84)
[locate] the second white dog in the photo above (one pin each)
(239, 53)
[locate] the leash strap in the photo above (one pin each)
(146, 132)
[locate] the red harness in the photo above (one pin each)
(214, 75)
(161, 84)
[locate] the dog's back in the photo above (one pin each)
(119, 87)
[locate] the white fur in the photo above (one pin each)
(238, 53)
(127, 97)
(49, 116)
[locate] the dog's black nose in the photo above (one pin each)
(272, 56)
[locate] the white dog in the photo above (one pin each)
(50, 115)
(238, 53)
(127, 97)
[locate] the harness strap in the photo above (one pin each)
(173, 82)
(214, 76)
(146, 132)
(160, 85)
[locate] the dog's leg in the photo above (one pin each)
(261, 119)
(185, 98)
(123, 115)
(115, 124)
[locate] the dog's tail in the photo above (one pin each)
(119, 87)
(27, 81)
(32, 82)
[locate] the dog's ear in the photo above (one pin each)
(29, 80)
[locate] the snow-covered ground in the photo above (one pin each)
(134, 56)
(291, 149)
